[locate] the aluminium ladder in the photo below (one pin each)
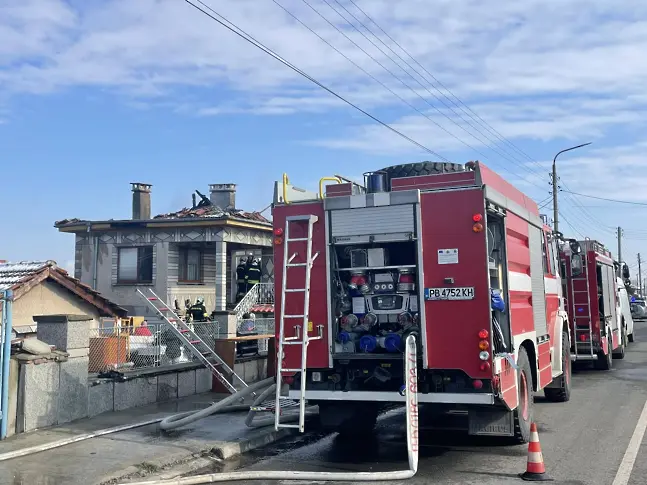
(301, 331)
(205, 354)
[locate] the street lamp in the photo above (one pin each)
(555, 187)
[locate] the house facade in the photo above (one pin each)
(182, 255)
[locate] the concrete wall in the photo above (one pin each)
(106, 395)
(49, 298)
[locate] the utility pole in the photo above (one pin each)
(640, 277)
(620, 247)
(556, 185)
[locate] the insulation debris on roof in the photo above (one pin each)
(215, 212)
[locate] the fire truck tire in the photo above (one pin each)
(605, 362)
(630, 337)
(563, 392)
(421, 168)
(523, 415)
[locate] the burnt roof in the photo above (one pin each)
(203, 210)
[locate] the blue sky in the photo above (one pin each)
(97, 94)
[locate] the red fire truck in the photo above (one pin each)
(452, 254)
(597, 325)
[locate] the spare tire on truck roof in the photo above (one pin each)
(421, 168)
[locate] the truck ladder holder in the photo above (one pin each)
(198, 348)
(301, 337)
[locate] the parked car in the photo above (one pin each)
(638, 309)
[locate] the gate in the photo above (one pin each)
(5, 356)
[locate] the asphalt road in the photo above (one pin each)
(591, 440)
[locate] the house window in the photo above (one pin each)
(135, 265)
(190, 265)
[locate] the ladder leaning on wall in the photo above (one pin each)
(205, 354)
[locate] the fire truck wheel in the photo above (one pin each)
(523, 415)
(605, 362)
(630, 337)
(563, 392)
(421, 168)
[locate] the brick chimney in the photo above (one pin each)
(141, 201)
(223, 195)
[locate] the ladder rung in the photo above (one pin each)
(293, 342)
(297, 239)
(286, 398)
(194, 342)
(294, 290)
(308, 217)
(152, 298)
(293, 316)
(290, 370)
(295, 265)
(184, 330)
(295, 426)
(163, 309)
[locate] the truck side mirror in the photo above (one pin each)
(625, 271)
(576, 265)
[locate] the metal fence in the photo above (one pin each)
(127, 348)
(261, 326)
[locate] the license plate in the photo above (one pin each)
(464, 293)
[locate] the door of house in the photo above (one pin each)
(236, 256)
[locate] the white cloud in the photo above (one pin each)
(539, 71)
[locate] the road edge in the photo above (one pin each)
(222, 450)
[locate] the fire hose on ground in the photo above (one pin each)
(226, 405)
(411, 403)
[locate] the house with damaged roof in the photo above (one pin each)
(182, 255)
(42, 288)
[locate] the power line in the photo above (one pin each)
(606, 199)
(222, 20)
(408, 64)
(461, 105)
(351, 24)
(571, 225)
(362, 69)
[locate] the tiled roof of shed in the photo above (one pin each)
(21, 276)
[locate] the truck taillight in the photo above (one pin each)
(485, 366)
(278, 240)
(478, 227)
(484, 345)
(477, 383)
(483, 334)
(278, 231)
(477, 217)
(484, 355)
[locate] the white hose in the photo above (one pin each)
(75, 439)
(411, 381)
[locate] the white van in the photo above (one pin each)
(623, 310)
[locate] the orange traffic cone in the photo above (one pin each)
(535, 470)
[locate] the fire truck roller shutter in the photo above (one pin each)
(535, 236)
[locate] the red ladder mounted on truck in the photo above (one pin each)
(425, 249)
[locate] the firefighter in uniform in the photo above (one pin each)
(253, 274)
(198, 311)
(241, 271)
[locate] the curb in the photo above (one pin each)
(222, 450)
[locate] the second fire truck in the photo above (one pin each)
(600, 323)
(452, 254)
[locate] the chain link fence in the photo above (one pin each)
(157, 345)
(154, 345)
